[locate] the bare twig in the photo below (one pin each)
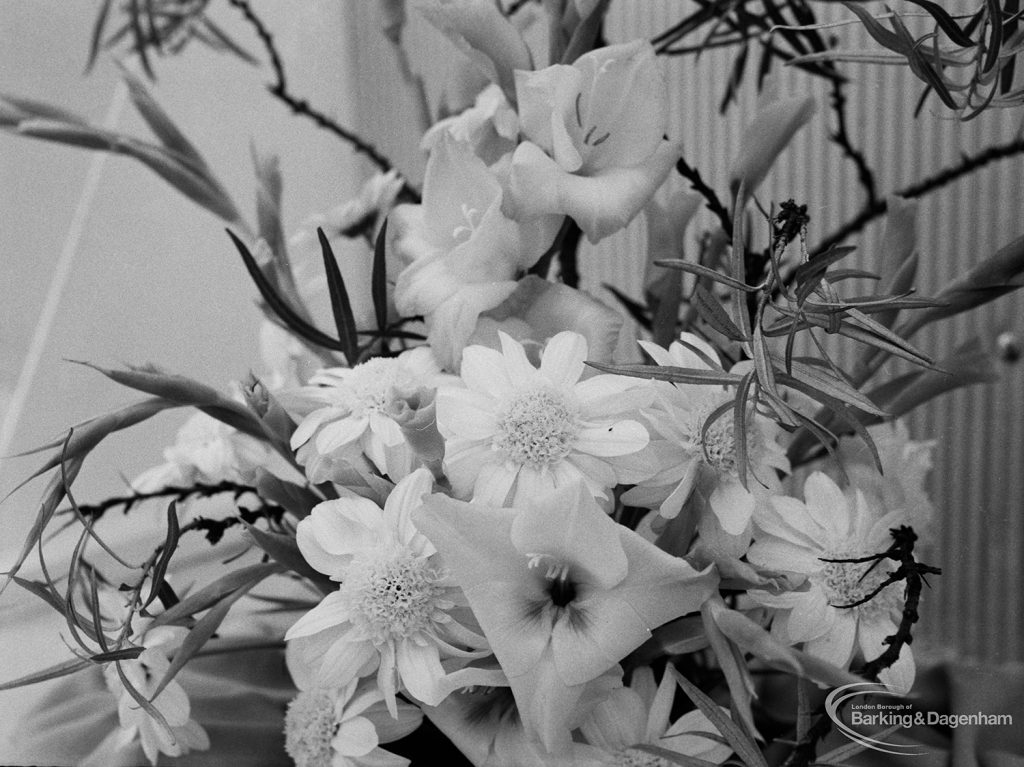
(299, 106)
(865, 175)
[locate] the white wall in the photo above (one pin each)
(153, 278)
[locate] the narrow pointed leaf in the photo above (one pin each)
(704, 271)
(160, 122)
(709, 308)
(182, 390)
(670, 373)
(244, 578)
(72, 666)
(814, 378)
(341, 306)
(280, 308)
(125, 653)
(285, 551)
(740, 742)
(199, 635)
(379, 278)
(169, 547)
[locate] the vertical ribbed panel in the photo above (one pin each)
(978, 481)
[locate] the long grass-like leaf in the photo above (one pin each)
(56, 671)
(280, 308)
(705, 271)
(341, 306)
(211, 594)
(740, 742)
(669, 373)
(379, 278)
(169, 546)
(285, 551)
(709, 308)
(199, 635)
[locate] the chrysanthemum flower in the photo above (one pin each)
(690, 457)
(391, 613)
(638, 715)
(802, 537)
(348, 412)
(517, 431)
(328, 727)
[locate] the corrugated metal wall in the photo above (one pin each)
(978, 482)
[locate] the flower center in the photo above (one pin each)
(309, 727)
(393, 593)
(538, 428)
(465, 231)
(634, 757)
(718, 444)
(372, 381)
(846, 583)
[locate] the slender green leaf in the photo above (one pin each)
(946, 23)
(341, 306)
(280, 308)
(674, 757)
(740, 742)
(709, 308)
(821, 380)
(739, 426)
(72, 666)
(378, 279)
(242, 579)
(199, 635)
(285, 551)
(161, 123)
(125, 653)
(52, 497)
(182, 390)
(704, 271)
(169, 547)
(669, 373)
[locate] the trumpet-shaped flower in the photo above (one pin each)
(348, 411)
(562, 593)
(344, 727)
(516, 431)
(144, 673)
(693, 455)
(805, 538)
(207, 450)
(776, 123)
(391, 612)
(538, 310)
(461, 255)
(595, 147)
(638, 715)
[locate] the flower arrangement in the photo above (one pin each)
(476, 512)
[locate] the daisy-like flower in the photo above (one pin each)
(391, 613)
(690, 458)
(806, 537)
(348, 413)
(562, 592)
(639, 715)
(516, 431)
(144, 674)
(328, 727)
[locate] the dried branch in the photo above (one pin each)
(865, 175)
(299, 106)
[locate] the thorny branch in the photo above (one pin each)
(299, 106)
(841, 136)
(714, 204)
(967, 165)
